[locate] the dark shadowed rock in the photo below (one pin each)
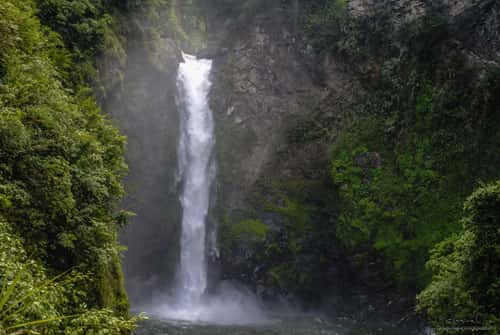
(368, 160)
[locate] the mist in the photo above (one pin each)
(230, 304)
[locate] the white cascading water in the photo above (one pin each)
(230, 305)
(196, 170)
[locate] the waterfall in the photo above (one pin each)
(196, 170)
(229, 304)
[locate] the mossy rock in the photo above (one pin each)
(111, 287)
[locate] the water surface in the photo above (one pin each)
(290, 326)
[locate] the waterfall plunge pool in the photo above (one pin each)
(289, 325)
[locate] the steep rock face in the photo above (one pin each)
(403, 9)
(144, 107)
(475, 22)
(265, 74)
(268, 83)
(263, 80)
(139, 91)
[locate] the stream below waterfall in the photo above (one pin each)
(302, 325)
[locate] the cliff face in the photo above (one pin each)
(278, 106)
(139, 92)
(475, 22)
(144, 107)
(266, 80)
(262, 81)
(268, 86)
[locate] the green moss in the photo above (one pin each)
(188, 25)
(176, 24)
(418, 140)
(111, 287)
(298, 244)
(245, 236)
(252, 229)
(306, 131)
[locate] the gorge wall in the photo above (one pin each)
(147, 113)
(139, 91)
(267, 81)
(281, 107)
(140, 96)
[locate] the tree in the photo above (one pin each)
(466, 268)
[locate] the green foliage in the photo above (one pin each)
(20, 278)
(100, 322)
(243, 239)
(327, 21)
(409, 201)
(83, 27)
(447, 297)
(30, 301)
(288, 252)
(248, 230)
(482, 218)
(82, 24)
(394, 207)
(429, 121)
(332, 28)
(298, 245)
(61, 165)
(306, 130)
(465, 283)
(84, 31)
(110, 284)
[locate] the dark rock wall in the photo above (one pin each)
(476, 23)
(140, 94)
(267, 79)
(262, 82)
(143, 106)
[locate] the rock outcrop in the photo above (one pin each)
(265, 80)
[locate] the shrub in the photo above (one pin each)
(466, 269)
(61, 167)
